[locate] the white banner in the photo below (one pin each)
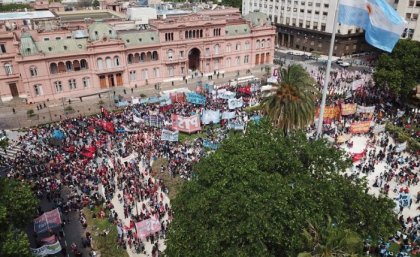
(365, 109)
(137, 119)
(224, 94)
(135, 100)
(210, 116)
(235, 103)
(378, 128)
(228, 115)
(168, 135)
(401, 147)
(47, 249)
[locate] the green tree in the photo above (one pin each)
(14, 7)
(17, 208)
(292, 105)
(399, 71)
(257, 193)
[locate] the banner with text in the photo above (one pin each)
(196, 98)
(330, 112)
(228, 115)
(210, 144)
(343, 138)
(348, 109)
(379, 128)
(47, 249)
(360, 127)
(186, 124)
(210, 116)
(47, 221)
(147, 227)
(168, 135)
(235, 103)
(365, 109)
(224, 94)
(236, 125)
(177, 97)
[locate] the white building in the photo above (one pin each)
(410, 11)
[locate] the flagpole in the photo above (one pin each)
(327, 74)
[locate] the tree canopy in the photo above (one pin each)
(256, 195)
(14, 7)
(399, 71)
(17, 208)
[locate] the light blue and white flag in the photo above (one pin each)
(235, 103)
(228, 115)
(382, 24)
(168, 135)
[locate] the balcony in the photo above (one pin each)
(175, 60)
(110, 70)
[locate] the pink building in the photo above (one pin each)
(46, 58)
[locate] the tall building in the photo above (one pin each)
(307, 24)
(46, 55)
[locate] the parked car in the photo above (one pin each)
(342, 63)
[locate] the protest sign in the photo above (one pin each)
(343, 138)
(168, 135)
(137, 119)
(348, 109)
(177, 97)
(235, 103)
(245, 90)
(360, 127)
(210, 144)
(365, 109)
(378, 128)
(48, 249)
(210, 116)
(330, 112)
(224, 94)
(404, 199)
(153, 121)
(147, 227)
(47, 221)
(236, 125)
(186, 124)
(228, 115)
(196, 98)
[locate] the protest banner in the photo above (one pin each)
(147, 227)
(135, 100)
(245, 90)
(210, 116)
(236, 125)
(378, 128)
(330, 112)
(47, 221)
(165, 100)
(153, 121)
(137, 119)
(235, 103)
(348, 109)
(360, 127)
(108, 126)
(48, 249)
(186, 124)
(365, 109)
(404, 199)
(168, 135)
(210, 144)
(196, 98)
(177, 97)
(224, 94)
(343, 138)
(144, 100)
(228, 115)
(358, 156)
(401, 147)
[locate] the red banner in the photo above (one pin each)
(186, 124)
(108, 126)
(358, 156)
(245, 90)
(47, 221)
(360, 127)
(177, 97)
(147, 227)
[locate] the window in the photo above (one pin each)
(58, 86)
(156, 72)
(8, 68)
(216, 49)
(72, 84)
(247, 45)
(145, 74)
(181, 54)
(130, 59)
(132, 75)
(227, 62)
(171, 71)
(207, 51)
(228, 48)
(65, 47)
(100, 63)
(58, 38)
(116, 61)
(38, 90)
(46, 39)
(238, 46)
(33, 71)
(262, 43)
(238, 60)
(326, 5)
(69, 66)
(170, 54)
(258, 45)
(108, 62)
(2, 49)
(83, 64)
(246, 59)
(86, 82)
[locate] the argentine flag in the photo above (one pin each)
(382, 24)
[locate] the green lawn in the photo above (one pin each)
(106, 245)
(173, 184)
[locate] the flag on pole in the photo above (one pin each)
(382, 24)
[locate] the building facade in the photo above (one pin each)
(43, 59)
(307, 24)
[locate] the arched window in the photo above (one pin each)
(100, 63)
(33, 71)
(148, 56)
(170, 54)
(116, 61)
(61, 67)
(263, 43)
(38, 90)
(190, 35)
(247, 45)
(216, 49)
(186, 34)
(227, 62)
(130, 59)
(238, 46)
(76, 65)
(108, 62)
(155, 56)
(83, 64)
(228, 48)
(136, 58)
(53, 68)
(8, 68)
(69, 66)
(86, 82)
(268, 42)
(142, 57)
(258, 45)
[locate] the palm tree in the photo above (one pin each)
(331, 242)
(292, 105)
